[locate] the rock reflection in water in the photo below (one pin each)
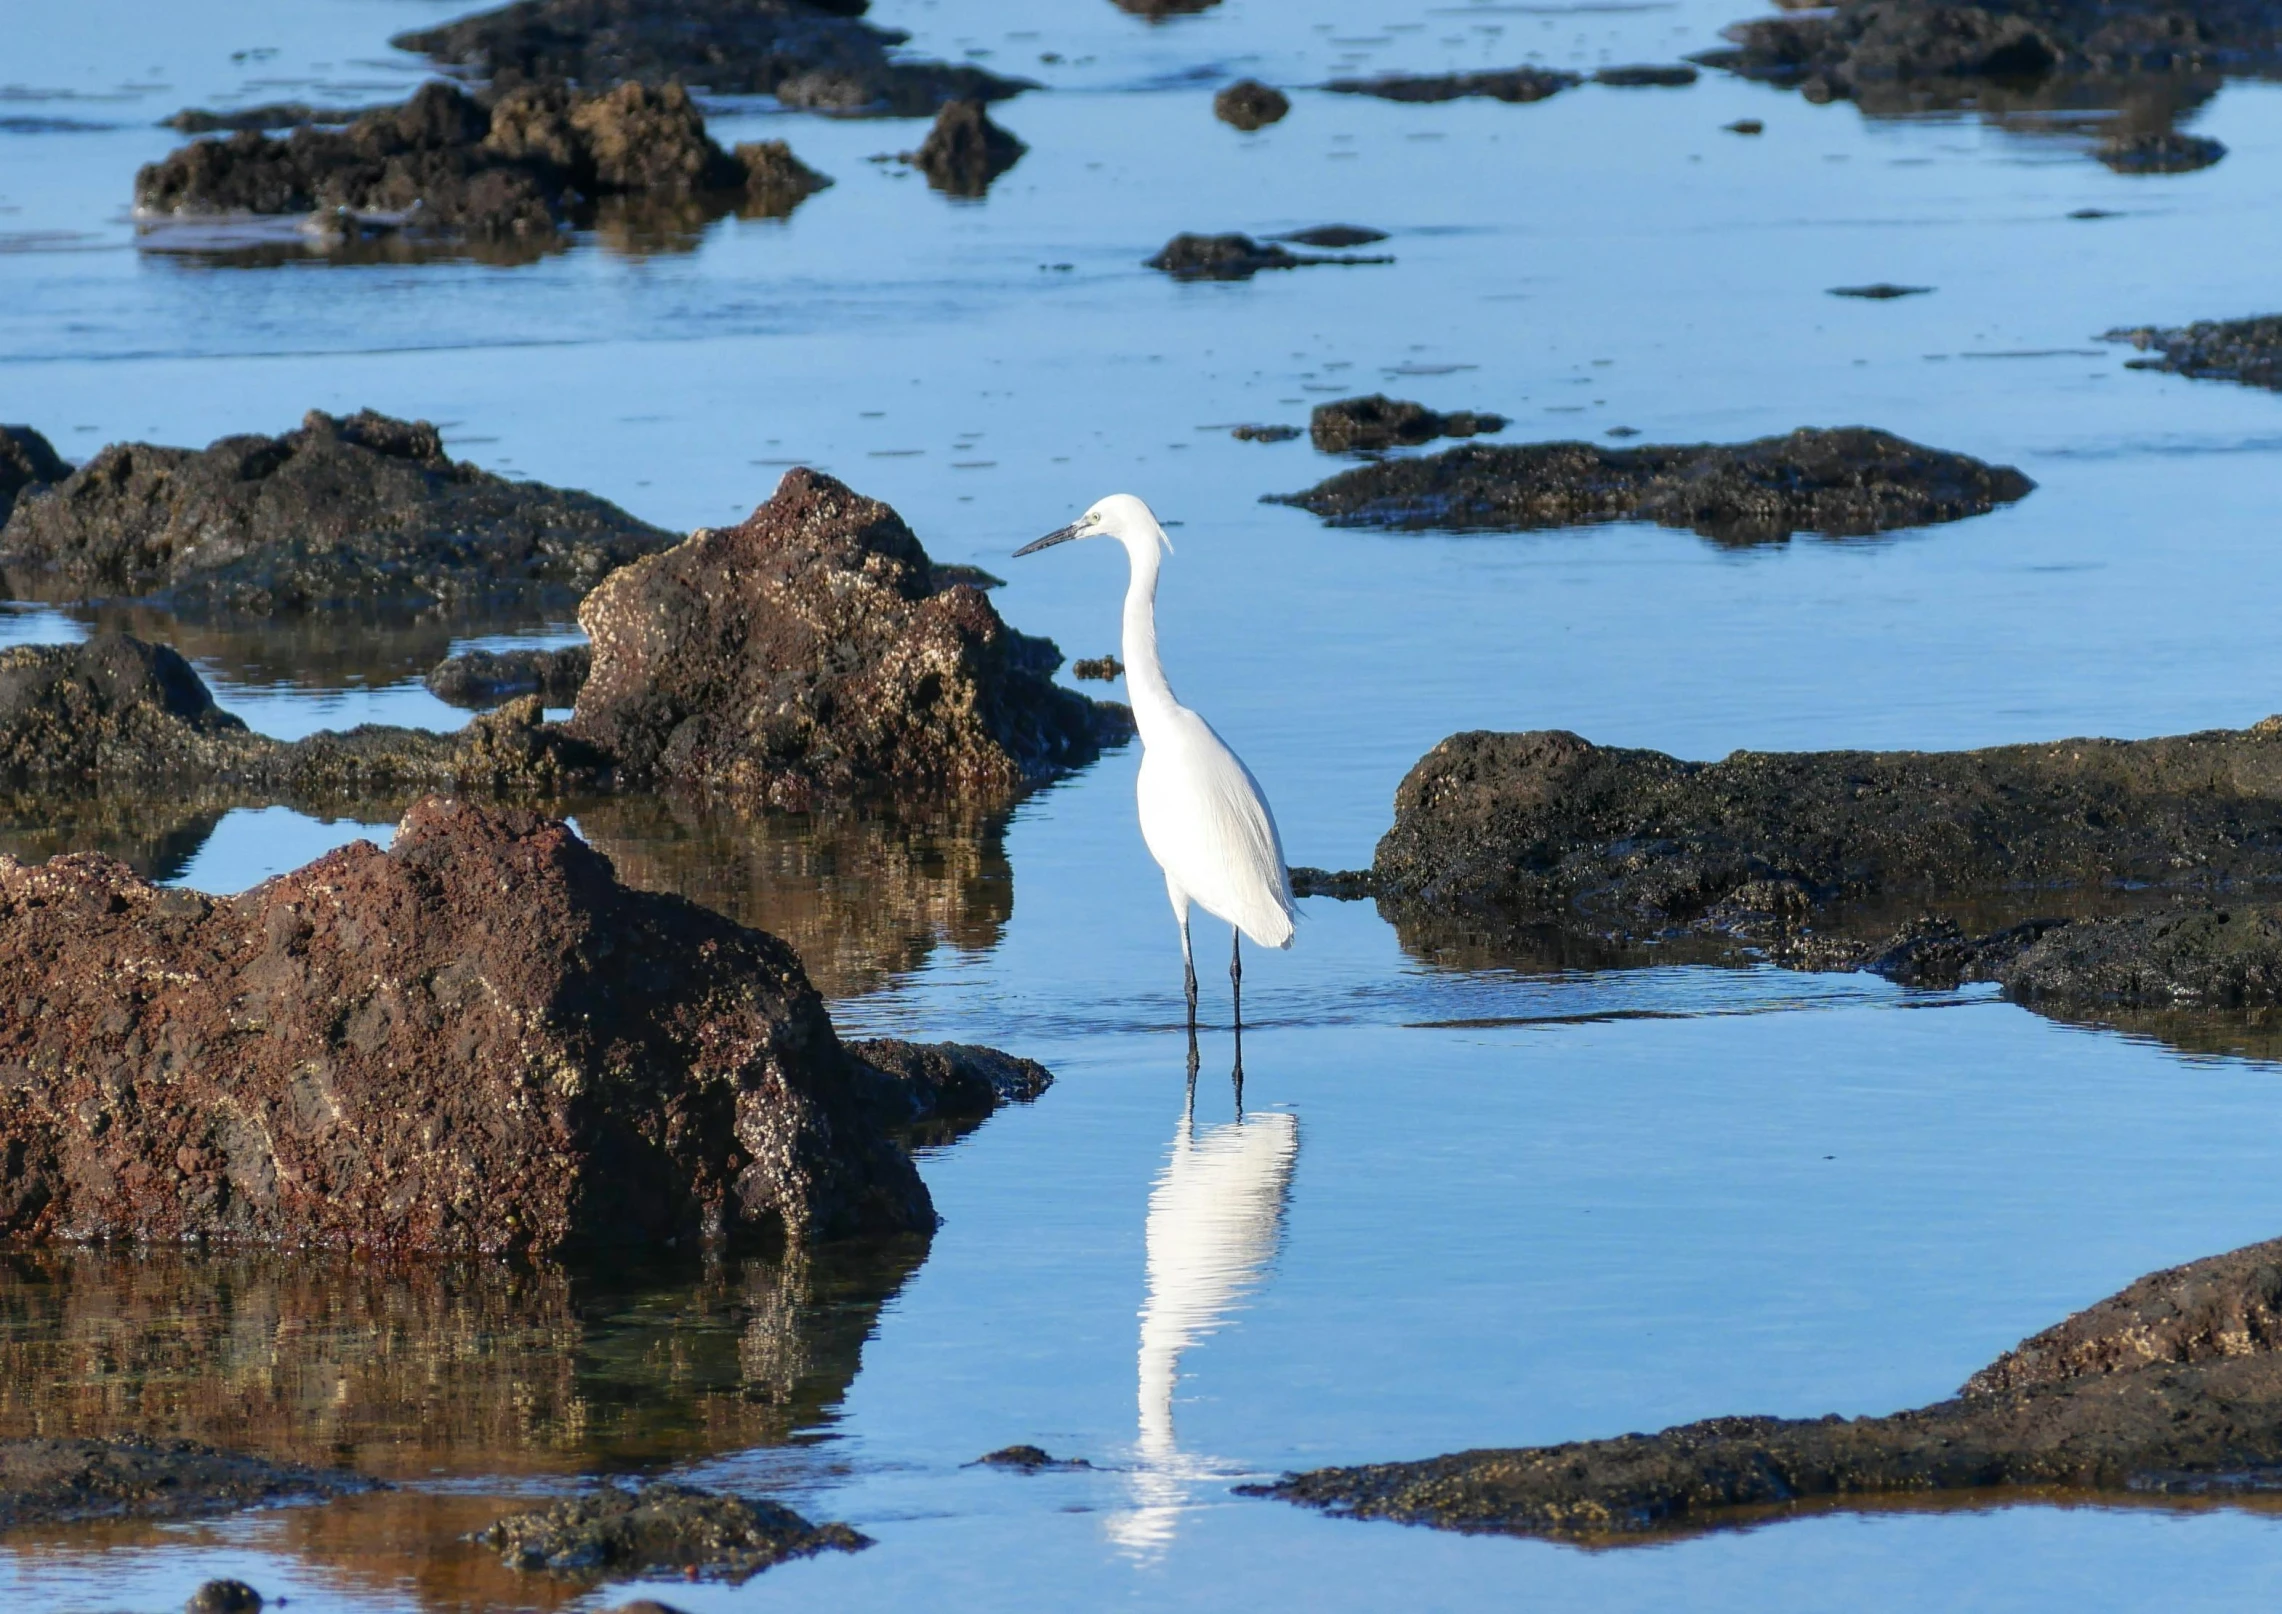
(154, 837)
(476, 1368)
(1216, 1220)
(861, 898)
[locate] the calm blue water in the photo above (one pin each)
(1783, 1193)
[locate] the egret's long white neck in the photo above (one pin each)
(1145, 682)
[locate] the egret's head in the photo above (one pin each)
(1120, 516)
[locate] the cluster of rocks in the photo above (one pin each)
(818, 55)
(2147, 60)
(524, 162)
(1366, 425)
(362, 513)
(1234, 257)
(2171, 1387)
(2244, 350)
(1851, 480)
(1797, 853)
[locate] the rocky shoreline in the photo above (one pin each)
(2171, 1387)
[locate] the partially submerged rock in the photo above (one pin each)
(115, 709)
(1647, 76)
(1359, 425)
(705, 1535)
(2171, 1387)
(476, 1041)
(2245, 350)
(1265, 434)
(804, 655)
(1334, 235)
(270, 115)
(523, 164)
(45, 1480)
(776, 181)
(1879, 291)
(1028, 1459)
(224, 1597)
(2159, 151)
(1102, 669)
(1850, 480)
(1546, 827)
(965, 151)
(488, 677)
(814, 54)
(1232, 257)
(1248, 104)
(26, 460)
(1504, 84)
(941, 1090)
(2226, 956)
(362, 513)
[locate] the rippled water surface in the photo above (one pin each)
(1465, 1201)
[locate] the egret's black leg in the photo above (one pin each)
(1236, 996)
(1188, 978)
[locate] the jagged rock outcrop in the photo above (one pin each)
(475, 1041)
(361, 513)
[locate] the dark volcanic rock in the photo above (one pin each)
(487, 677)
(273, 115)
(1549, 826)
(115, 709)
(54, 1481)
(1104, 669)
(808, 53)
(1248, 104)
(26, 460)
(965, 151)
(1028, 1459)
(1881, 291)
(2203, 958)
(1232, 257)
(1265, 434)
(476, 1041)
(1335, 235)
(2159, 151)
(2173, 1386)
(805, 654)
(2245, 350)
(1646, 77)
(2024, 60)
(364, 513)
(1850, 480)
(702, 1534)
(1355, 425)
(776, 181)
(523, 165)
(1507, 84)
(943, 1088)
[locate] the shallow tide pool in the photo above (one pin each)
(1456, 1201)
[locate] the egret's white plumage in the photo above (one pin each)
(1203, 815)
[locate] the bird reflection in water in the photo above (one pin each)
(1216, 1220)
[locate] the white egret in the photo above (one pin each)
(1202, 813)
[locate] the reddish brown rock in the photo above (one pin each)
(806, 655)
(477, 1040)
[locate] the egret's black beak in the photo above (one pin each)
(1075, 529)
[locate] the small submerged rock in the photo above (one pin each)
(1880, 291)
(1027, 1459)
(48, 1480)
(1265, 434)
(1745, 126)
(475, 1041)
(27, 460)
(1506, 84)
(271, 116)
(1359, 425)
(2244, 350)
(1248, 104)
(488, 677)
(813, 54)
(942, 1090)
(964, 152)
(358, 513)
(1647, 76)
(1335, 236)
(1233, 257)
(2161, 151)
(705, 1535)
(523, 164)
(1101, 669)
(1851, 480)
(224, 1597)
(2171, 1387)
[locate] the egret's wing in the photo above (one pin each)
(1234, 857)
